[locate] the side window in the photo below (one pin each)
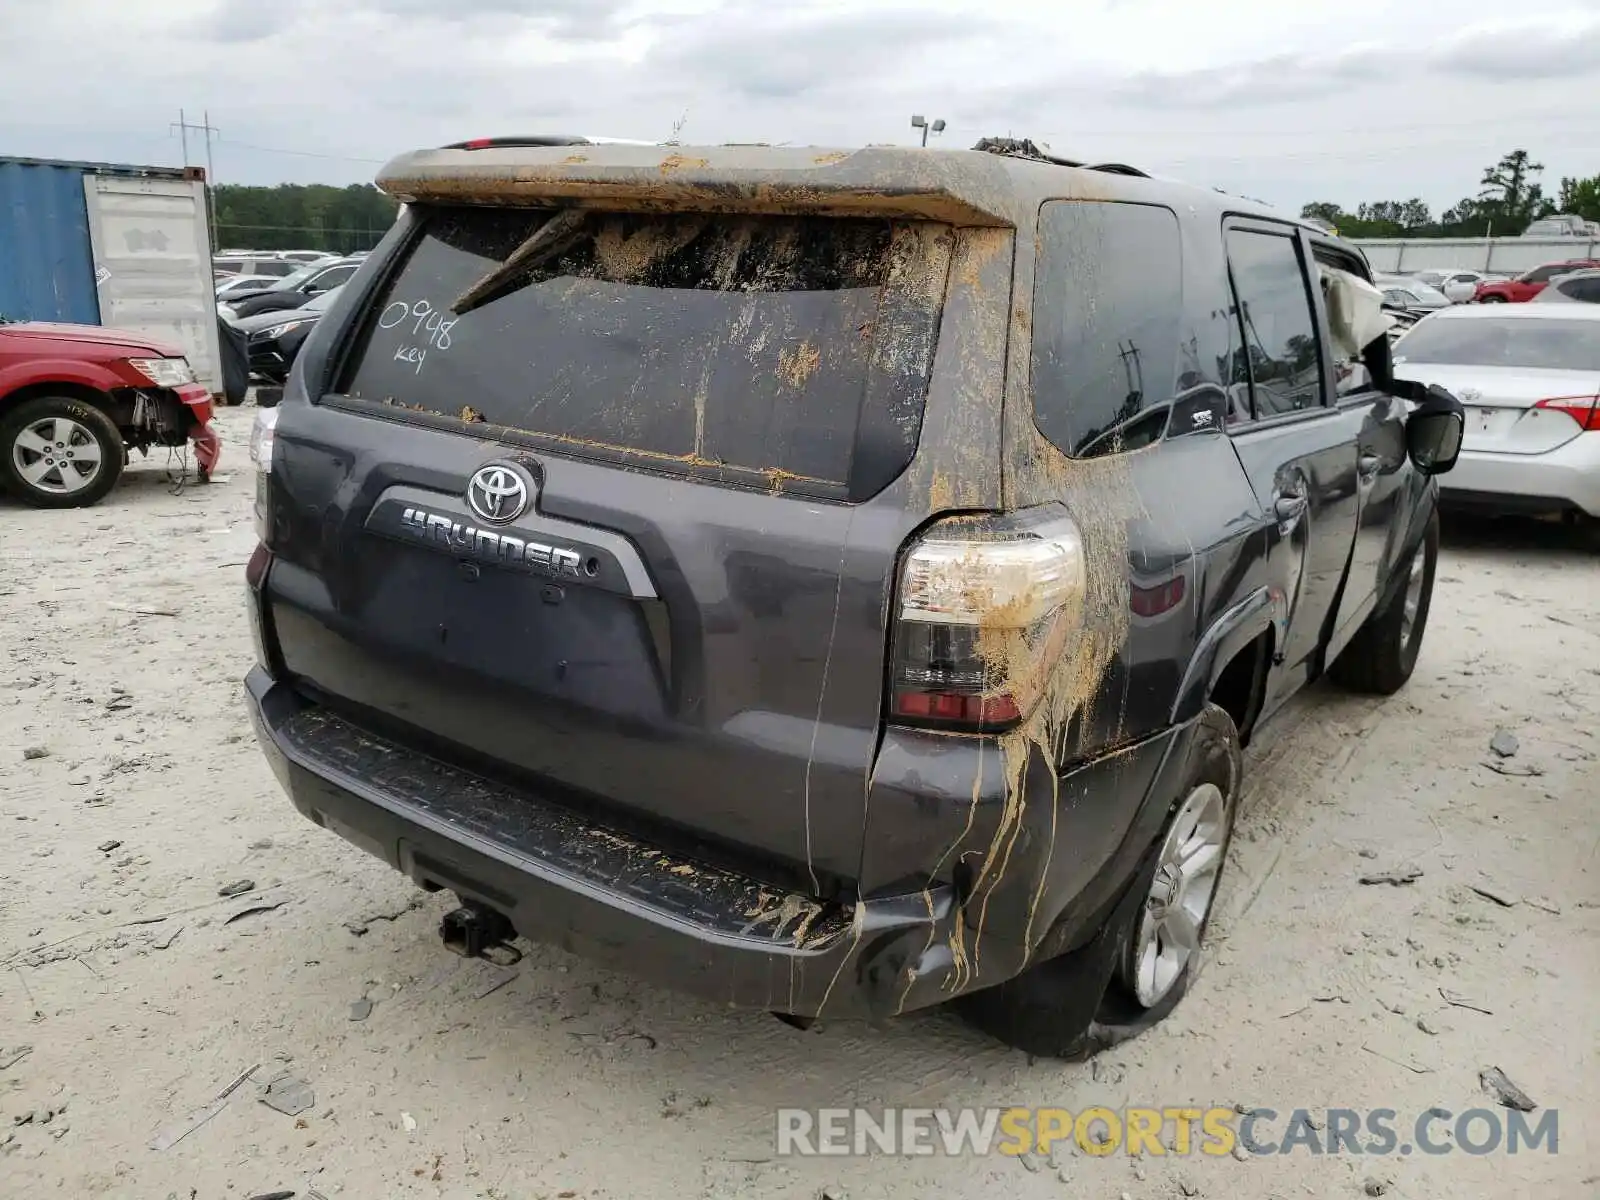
(1108, 307)
(332, 278)
(1543, 274)
(1279, 332)
(1585, 289)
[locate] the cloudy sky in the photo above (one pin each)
(1298, 100)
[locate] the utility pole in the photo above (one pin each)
(920, 122)
(183, 126)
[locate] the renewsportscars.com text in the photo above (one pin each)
(1175, 1131)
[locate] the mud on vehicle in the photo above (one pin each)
(833, 583)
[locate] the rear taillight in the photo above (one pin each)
(263, 434)
(982, 614)
(1585, 410)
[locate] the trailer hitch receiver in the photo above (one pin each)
(473, 931)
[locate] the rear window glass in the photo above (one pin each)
(795, 350)
(1556, 345)
(1108, 304)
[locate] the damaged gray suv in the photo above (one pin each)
(832, 583)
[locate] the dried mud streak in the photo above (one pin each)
(1100, 496)
(822, 695)
(927, 892)
(973, 434)
(626, 256)
(796, 366)
(858, 920)
(674, 163)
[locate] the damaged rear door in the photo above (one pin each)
(596, 501)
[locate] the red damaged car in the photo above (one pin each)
(1526, 286)
(74, 399)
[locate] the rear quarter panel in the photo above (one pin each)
(1180, 515)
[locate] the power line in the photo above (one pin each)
(205, 126)
(303, 153)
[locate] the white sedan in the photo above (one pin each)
(1458, 283)
(1529, 376)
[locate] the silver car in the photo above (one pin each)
(1529, 375)
(1413, 295)
(1582, 287)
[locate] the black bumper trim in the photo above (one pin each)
(563, 882)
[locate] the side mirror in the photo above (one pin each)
(1433, 437)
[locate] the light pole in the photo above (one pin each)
(927, 127)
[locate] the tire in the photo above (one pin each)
(1078, 1004)
(31, 431)
(1380, 658)
(1493, 300)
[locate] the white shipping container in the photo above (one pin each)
(150, 239)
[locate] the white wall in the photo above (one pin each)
(1507, 256)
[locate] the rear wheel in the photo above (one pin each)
(1494, 300)
(1380, 658)
(1148, 951)
(59, 452)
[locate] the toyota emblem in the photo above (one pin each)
(499, 492)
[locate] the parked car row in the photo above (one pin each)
(1424, 291)
(281, 295)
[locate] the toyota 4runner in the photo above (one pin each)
(832, 583)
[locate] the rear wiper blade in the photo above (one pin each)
(550, 239)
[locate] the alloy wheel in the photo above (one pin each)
(1179, 901)
(56, 455)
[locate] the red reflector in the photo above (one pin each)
(957, 707)
(255, 570)
(477, 144)
(1585, 410)
(1153, 601)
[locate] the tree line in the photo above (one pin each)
(294, 216)
(1509, 200)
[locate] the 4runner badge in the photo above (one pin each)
(499, 493)
(496, 548)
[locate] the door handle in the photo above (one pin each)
(1368, 465)
(1289, 506)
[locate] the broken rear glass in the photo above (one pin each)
(794, 349)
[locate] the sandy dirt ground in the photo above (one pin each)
(132, 994)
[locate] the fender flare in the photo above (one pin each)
(44, 372)
(1262, 611)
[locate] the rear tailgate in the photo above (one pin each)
(615, 523)
(1502, 405)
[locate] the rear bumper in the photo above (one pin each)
(1566, 477)
(682, 924)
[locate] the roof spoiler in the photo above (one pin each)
(959, 188)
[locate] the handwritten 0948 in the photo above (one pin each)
(425, 323)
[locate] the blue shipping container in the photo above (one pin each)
(46, 260)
